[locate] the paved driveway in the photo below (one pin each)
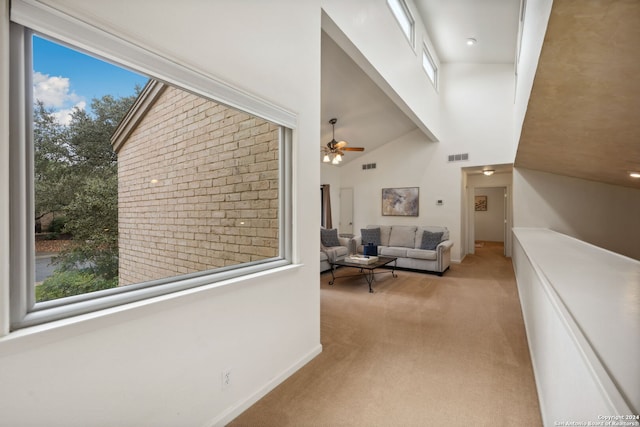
(44, 268)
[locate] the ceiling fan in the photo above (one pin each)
(334, 150)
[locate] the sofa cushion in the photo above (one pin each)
(385, 231)
(370, 235)
(336, 252)
(323, 256)
(430, 240)
(433, 229)
(422, 254)
(392, 251)
(403, 236)
(329, 237)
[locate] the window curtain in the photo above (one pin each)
(326, 206)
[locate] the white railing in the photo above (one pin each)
(581, 307)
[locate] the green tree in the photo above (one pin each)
(92, 220)
(76, 173)
(54, 183)
(68, 283)
(92, 214)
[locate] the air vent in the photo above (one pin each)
(369, 166)
(458, 157)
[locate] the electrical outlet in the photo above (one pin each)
(226, 378)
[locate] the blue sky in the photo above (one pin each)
(65, 78)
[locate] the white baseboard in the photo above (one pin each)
(228, 415)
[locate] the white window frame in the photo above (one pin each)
(27, 17)
(426, 55)
(400, 7)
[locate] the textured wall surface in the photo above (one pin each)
(581, 119)
(198, 189)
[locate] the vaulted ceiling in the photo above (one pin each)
(493, 23)
(583, 117)
(366, 116)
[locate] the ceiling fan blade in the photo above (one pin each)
(352, 148)
(341, 144)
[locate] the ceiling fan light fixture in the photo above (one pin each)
(488, 172)
(334, 150)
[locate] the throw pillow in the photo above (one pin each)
(370, 235)
(430, 240)
(329, 237)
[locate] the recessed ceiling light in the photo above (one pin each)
(634, 174)
(471, 41)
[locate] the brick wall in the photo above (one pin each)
(197, 189)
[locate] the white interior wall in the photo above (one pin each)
(489, 224)
(477, 112)
(602, 214)
(370, 35)
(159, 362)
(478, 101)
(394, 168)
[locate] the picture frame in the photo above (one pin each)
(481, 203)
(403, 201)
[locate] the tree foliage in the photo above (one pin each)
(53, 181)
(68, 283)
(76, 174)
(92, 220)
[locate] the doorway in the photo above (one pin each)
(346, 211)
(490, 216)
(473, 178)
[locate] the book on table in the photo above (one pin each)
(361, 259)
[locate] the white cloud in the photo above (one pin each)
(55, 92)
(63, 116)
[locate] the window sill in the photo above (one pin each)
(42, 334)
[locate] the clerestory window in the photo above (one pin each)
(125, 186)
(429, 66)
(402, 14)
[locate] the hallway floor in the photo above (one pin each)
(422, 350)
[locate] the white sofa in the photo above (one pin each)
(404, 242)
(333, 253)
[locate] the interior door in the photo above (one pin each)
(346, 211)
(506, 228)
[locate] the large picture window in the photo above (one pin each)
(126, 186)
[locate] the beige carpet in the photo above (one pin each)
(422, 350)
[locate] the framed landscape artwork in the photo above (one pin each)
(400, 201)
(481, 203)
